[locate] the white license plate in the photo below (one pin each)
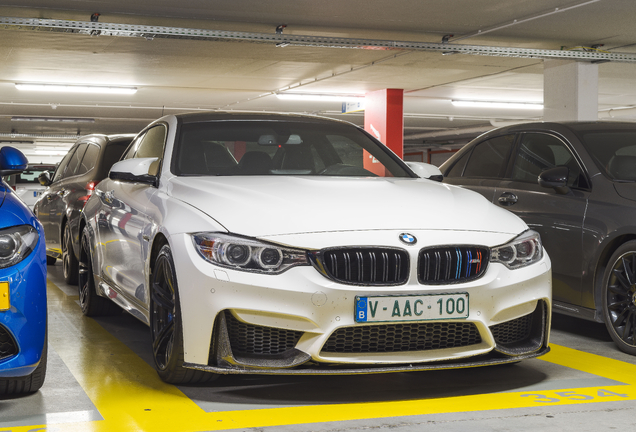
(411, 308)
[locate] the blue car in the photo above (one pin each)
(22, 287)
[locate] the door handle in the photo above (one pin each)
(507, 199)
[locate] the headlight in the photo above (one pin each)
(246, 254)
(524, 250)
(16, 243)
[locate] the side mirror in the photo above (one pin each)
(45, 178)
(140, 170)
(426, 171)
(555, 178)
(12, 161)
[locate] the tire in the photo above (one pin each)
(69, 261)
(30, 383)
(50, 260)
(166, 330)
(619, 297)
(91, 303)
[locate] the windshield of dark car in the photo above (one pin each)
(255, 147)
(614, 153)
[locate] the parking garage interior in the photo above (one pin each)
(541, 61)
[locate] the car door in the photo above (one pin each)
(54, 201)
(483, 167)
(558, 217)
(124, 222)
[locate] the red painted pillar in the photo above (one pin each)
(384, 117)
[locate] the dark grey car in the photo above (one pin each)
(59, 207)
(575, 183)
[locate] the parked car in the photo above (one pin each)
(68, 189)
(23, 337)
(575, 184)
(285, 244)
(27, 185)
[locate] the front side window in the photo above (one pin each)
(89, 159)
(614, 153)
(488, 159)
(539, 152)
(74, 163)
(253, 147)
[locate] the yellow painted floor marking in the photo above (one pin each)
(130, 396)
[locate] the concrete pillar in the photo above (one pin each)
(570, 90)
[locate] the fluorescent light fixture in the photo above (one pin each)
(318, 97)
(53, 119)
(487, 104)
(64, 88)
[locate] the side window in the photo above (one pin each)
(539, 152)
(130, 153)
(75, 160)
(89, 160)
(61, 168)
(488, 158)
(458, 168)
(151, 144)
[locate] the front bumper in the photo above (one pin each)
(23, 325)
(509, 318)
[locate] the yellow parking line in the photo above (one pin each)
(130, 396)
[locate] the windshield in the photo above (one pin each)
(257, 147)
(614, 152)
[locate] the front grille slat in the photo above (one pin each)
(452, 264)
(402, 337)
(366, 266)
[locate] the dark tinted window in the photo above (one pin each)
(614, 153)
(89, 160)
(489, 157)
(281, 148)
(458, 168)
(113, 153)
(539, 152)
(74, 163)
(61, 168)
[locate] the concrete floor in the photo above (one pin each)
(100, 377)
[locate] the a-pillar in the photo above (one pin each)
(384, 119)
(570, 90)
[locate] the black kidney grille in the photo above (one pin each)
(452, 264)
(254, 339)
(8, 346)
(367, 266)
(402, 337)
(512, 331)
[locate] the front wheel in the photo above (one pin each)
(91, 303)
(619, 297)
(69, 262)
(166, 330)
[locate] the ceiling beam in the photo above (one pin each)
(280, 39)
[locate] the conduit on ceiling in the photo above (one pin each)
(152, 32)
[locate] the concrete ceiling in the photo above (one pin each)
(175, 75)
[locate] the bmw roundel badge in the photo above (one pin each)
(408, 238)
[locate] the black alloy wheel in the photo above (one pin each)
(619, 297)
(165, 324)
(69, 261)
(91, 303)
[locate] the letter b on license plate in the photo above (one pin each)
(411, 308)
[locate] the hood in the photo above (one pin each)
(259, 206)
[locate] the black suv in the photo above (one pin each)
(58, 209)
(574, 183)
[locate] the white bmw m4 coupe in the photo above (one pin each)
(285, 244)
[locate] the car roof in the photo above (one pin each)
(196, 117)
